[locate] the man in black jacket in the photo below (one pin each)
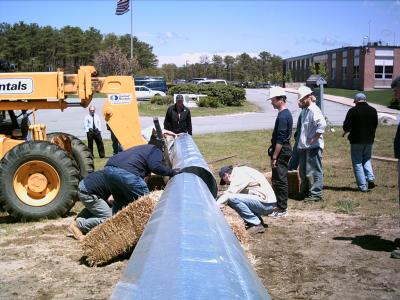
(178, 119)
(125, 172)
(361, 121)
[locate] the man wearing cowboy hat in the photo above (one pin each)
(361, 121)
(281, 149)
(310, 146)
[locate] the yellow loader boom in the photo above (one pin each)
(49, 90)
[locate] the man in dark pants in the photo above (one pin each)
(92, 127)
(178, 118)
(361, 121)
(280, 149)
(125, 172)
(115, 143)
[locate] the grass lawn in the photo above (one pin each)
(382, 97)
(340, 191)
(148, 109)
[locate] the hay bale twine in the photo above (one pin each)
(120, 233)
(237, 225)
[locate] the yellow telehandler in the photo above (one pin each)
(39, 172)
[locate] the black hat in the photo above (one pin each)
(179, 97)
(224, 169)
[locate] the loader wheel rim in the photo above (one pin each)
(36, 183)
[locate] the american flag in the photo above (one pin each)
(122, 7)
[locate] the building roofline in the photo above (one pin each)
(336, 49)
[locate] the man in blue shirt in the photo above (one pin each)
(280, 149)
(125, 172)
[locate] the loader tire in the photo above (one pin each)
(80, 151)
(38, 180)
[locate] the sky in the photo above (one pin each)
(182, 31)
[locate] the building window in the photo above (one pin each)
(388, 72)
(356, 72)
(333, 74)
(383, 72)
(344, 73)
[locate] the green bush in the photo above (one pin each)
(209, 102)
(226, 95)
(160, 100)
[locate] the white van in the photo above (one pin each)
(212, 81)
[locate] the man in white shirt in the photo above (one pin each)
(92, 127)
(310, 147)
(249, 193)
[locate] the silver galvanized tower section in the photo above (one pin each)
(188, 250)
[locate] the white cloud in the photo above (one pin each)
(162, 38)
(192, 58)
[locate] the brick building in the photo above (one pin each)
(364, 68)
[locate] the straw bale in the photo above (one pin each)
(118, 235)
(237, 225)
(293, 182)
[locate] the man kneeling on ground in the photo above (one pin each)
(94, 194)
(249, 194)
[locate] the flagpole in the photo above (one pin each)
(131, 30)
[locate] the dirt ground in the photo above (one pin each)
(306, 255)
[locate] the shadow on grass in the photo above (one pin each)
(369, 242)
(340, 188)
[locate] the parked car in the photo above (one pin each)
(195, 80)
(212, 81)
(153, 82)
(179, 81)
(144, 93)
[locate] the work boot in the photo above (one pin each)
(256, 229)
(371, 185)
(76, 232)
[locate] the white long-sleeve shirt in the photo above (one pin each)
(312, 122)
(88, 122)
(246, 180)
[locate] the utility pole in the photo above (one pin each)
(131, 31)
(369, 31)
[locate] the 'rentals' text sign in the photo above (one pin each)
(16, 86)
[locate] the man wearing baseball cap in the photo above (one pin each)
(178, 118)
(310, 147)
(249, 193)
(361, 122)
(281, 149)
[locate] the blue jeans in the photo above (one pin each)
(361, 160)
(249, 207)
(124, 186)
(311, 172)
(96, 210)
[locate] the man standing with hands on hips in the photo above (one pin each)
(280, 150)
(92, 127)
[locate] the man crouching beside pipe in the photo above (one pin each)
(249, 194)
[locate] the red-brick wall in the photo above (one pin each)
(368, 70)
(396, 63)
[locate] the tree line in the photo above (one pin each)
(33, 48)
(262, 68)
